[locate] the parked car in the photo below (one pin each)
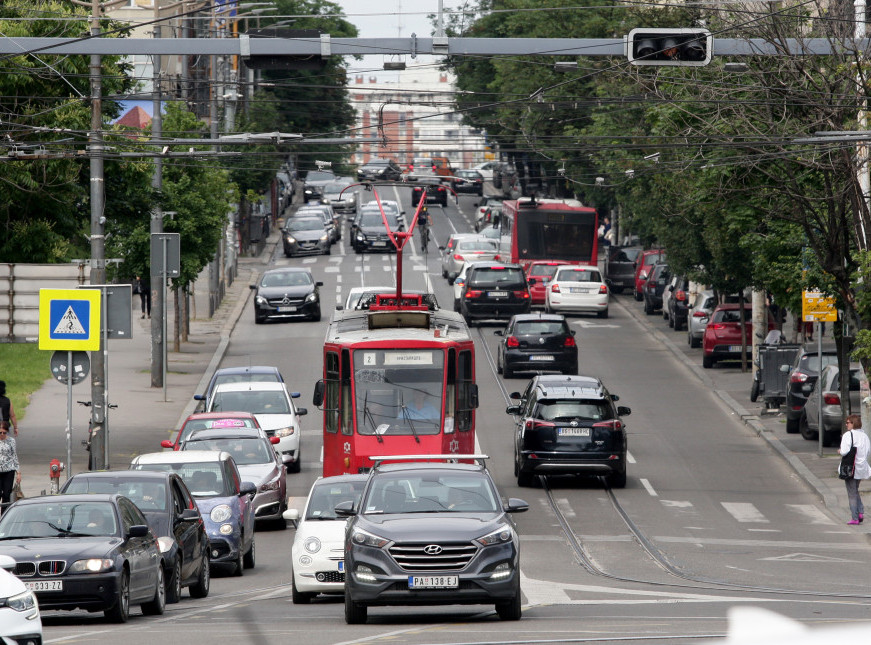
(702, 306)
(318, 551)
(94, 552)
(342, 200)
(802, 375)
(675, 301)
(240, 374)
(435, 192)
(577, 288)
(305, 236)
(537, 342)
(481, 210)
(369, 234)
(173, 516)
(654, 287)
(569, 425)
(20, 622)
(468, 181)
(620, 268)
(642, 267)
(257, 462)
(276, 413)
(431, 533)
(833, 422)
(468, 249)
(315, 180)
(486, 169)
(379, 169)
(539, 273)
(287, 293)
(722, 338)
(224, 501)
(494, 290)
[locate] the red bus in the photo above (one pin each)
(550, 229)
(397, 380)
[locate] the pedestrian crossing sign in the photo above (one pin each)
(69, 319)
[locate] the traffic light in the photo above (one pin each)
(675, 47)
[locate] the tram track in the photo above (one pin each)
(683, 579)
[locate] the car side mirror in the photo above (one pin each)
(441, 248)
(345, 509)
(137, 531)
(319, 284)
(247, 488)
(291, 514)
(301, 412)
(294, 395)
(252, 286)
(514, 395)
(498, 332)
(166, 443)
(516, 505)
(340, 307)
(189, 515)
(513, 409)
(476, 204)
(574, 331)
(318, 396)
(199, 397)
(623, 410)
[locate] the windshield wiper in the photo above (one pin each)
(407, 417)
(367, 416)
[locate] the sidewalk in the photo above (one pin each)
(141, 408)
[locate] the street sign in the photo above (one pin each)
(166, 247)
(62, 370)
(69, 319)
(119, 302)
(817, 307)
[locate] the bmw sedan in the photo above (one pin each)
(286, 294)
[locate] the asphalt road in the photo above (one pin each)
(709, 519)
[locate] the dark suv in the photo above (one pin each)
(654, 286)
(431, 533)
(494, 290)
(677, 296)
(620, 269)
(803, 375)
(568, 425)
(535, 342)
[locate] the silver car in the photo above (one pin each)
(476, 249)
(833, 423)
(699, 314)
(344, 202)
(325, 212)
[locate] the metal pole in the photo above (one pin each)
(158, 340)
(104, 324)
(818, 332)
(164, 242)
(69, 466)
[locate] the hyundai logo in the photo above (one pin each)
(432, 549)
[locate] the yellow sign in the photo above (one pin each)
(69, 319)
(816, 306)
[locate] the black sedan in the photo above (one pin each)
(435, 192)
(285, 294)
(171, 512)
(468, 181)
(368, 232)
(91, 552)
(537, 342)
(383, 169)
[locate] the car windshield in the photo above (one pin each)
(543, 270)
(209, 424)
(326, 496)
(540, 327)
(370, 219)
(377, 163)
(245, 451)
(430, 492)
(485, 277)
(286, 279)
(319, 175)
(571, 409)
(653, 258)
(477, 245)
(253, 401)
(398, 392)
(578, 275)
(203, 478)
(307, 224)
(56, 518)
(335, 187)
(147, 493)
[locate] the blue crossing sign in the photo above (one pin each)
(69, 319)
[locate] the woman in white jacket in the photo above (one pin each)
(854, 436)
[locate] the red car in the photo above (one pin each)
(538, 274)
(722, 339)
(211, 421)
(642, 267)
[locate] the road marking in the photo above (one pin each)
(806, 557)
(649, 488)
(339, 278)
(814, 547)
(332, 269)
(564, 507)
(744, 512)
(334, 259)
(309, 260)
(630, 458)
(811, 512)
(586, 324)
(670, 503)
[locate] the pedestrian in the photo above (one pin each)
(10, 472)
(6, 412)
(143, 288)
(855, 436)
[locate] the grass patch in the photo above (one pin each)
(24, 368)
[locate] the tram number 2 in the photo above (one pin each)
(370, 358)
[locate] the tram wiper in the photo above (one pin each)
(408, 418)
(368, 417)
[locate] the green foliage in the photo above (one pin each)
(25, 369)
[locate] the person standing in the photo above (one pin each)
(6, 412)
(10, 472)
(143, 288)
(855, 436)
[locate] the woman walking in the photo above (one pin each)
(855, 436)
(9, 468)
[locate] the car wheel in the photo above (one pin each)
(258, 320)
(804, 429)
(499, 364)
(173, 587)
(792, 425)
(120, 612)
(316, 316)
(669, 318)
(250, 558)
(707, 362)
(355, 613)
(603, 313)
(510, 609)
(648, 308)
(328, 250)
(507, 372)
(451, 279)
(238, 565)
(200, 589)
(298, 597)
(617, 290)
(157, 605)
(695, 342)
(638, 296)
(444, 274)
(617, 480)
(754, 391)
(525, 480)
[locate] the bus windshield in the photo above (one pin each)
(562, 235)
(398, 391)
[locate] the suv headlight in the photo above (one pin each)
(359, 536)
(221, 513)
(324, 237)
(24, 601)
(260, 300)
(284, 432)
(312, 297)
(93, 565)
(499, 536)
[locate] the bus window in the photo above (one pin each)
(346, 404)
(331, 404)
(451, 392)
(464, 403)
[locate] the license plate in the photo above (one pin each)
(433, 582)
(735, 348)
(573, 432)
(541, 358)
(44, 585)
(286, 310)
(497, 294)
(341, 566)
(578, 290)
(379, 243)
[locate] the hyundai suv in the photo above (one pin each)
(569, 425)
(431, 533)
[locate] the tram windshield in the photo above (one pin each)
(398, 391)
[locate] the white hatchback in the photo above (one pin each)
(273, 407)
(318, 551)
(19, 614)
(577, 288)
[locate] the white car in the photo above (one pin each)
(273, 407)
(19, 613)
(459, 281)
(577, 288)
(318, 551)
(486, 169)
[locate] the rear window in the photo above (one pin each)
(732, 315)
(203, 479)
(578, 275)
(477, 245)
(546, 270)
(625, 255)
(571, 409)
(493, 277)
(653, 258)
(812, 361)
(540, 327)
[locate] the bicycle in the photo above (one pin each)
(424, 237)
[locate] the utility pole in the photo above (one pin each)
(158, 306)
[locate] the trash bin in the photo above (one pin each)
(772, 379)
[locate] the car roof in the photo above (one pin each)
(74, 497)
(418, 466)
(183, 457)
(732, 305)
(578, 267)
(249, 369)
(492, 265)
(220, 415)
(339, 479)
(537, 316)
(230, 433)
(289, 270)
(552, 386)
(251, 386)
(124, 474)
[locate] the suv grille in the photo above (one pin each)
(451, 556)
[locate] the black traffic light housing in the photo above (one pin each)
(685, 47)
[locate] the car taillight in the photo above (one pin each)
(680, 295)
(512, 341)
(570, 342)
(497, 257)
(554, 288)
(603, 288)
(532, 424)
(474, 293)
(718, 326)
(700, 314)
(521, 294)
(613, 425)
(831, 399)
(458, 257)
(798, 377)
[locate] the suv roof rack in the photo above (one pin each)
(447, 458)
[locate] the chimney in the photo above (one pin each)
(358, 79)
(443, 78)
